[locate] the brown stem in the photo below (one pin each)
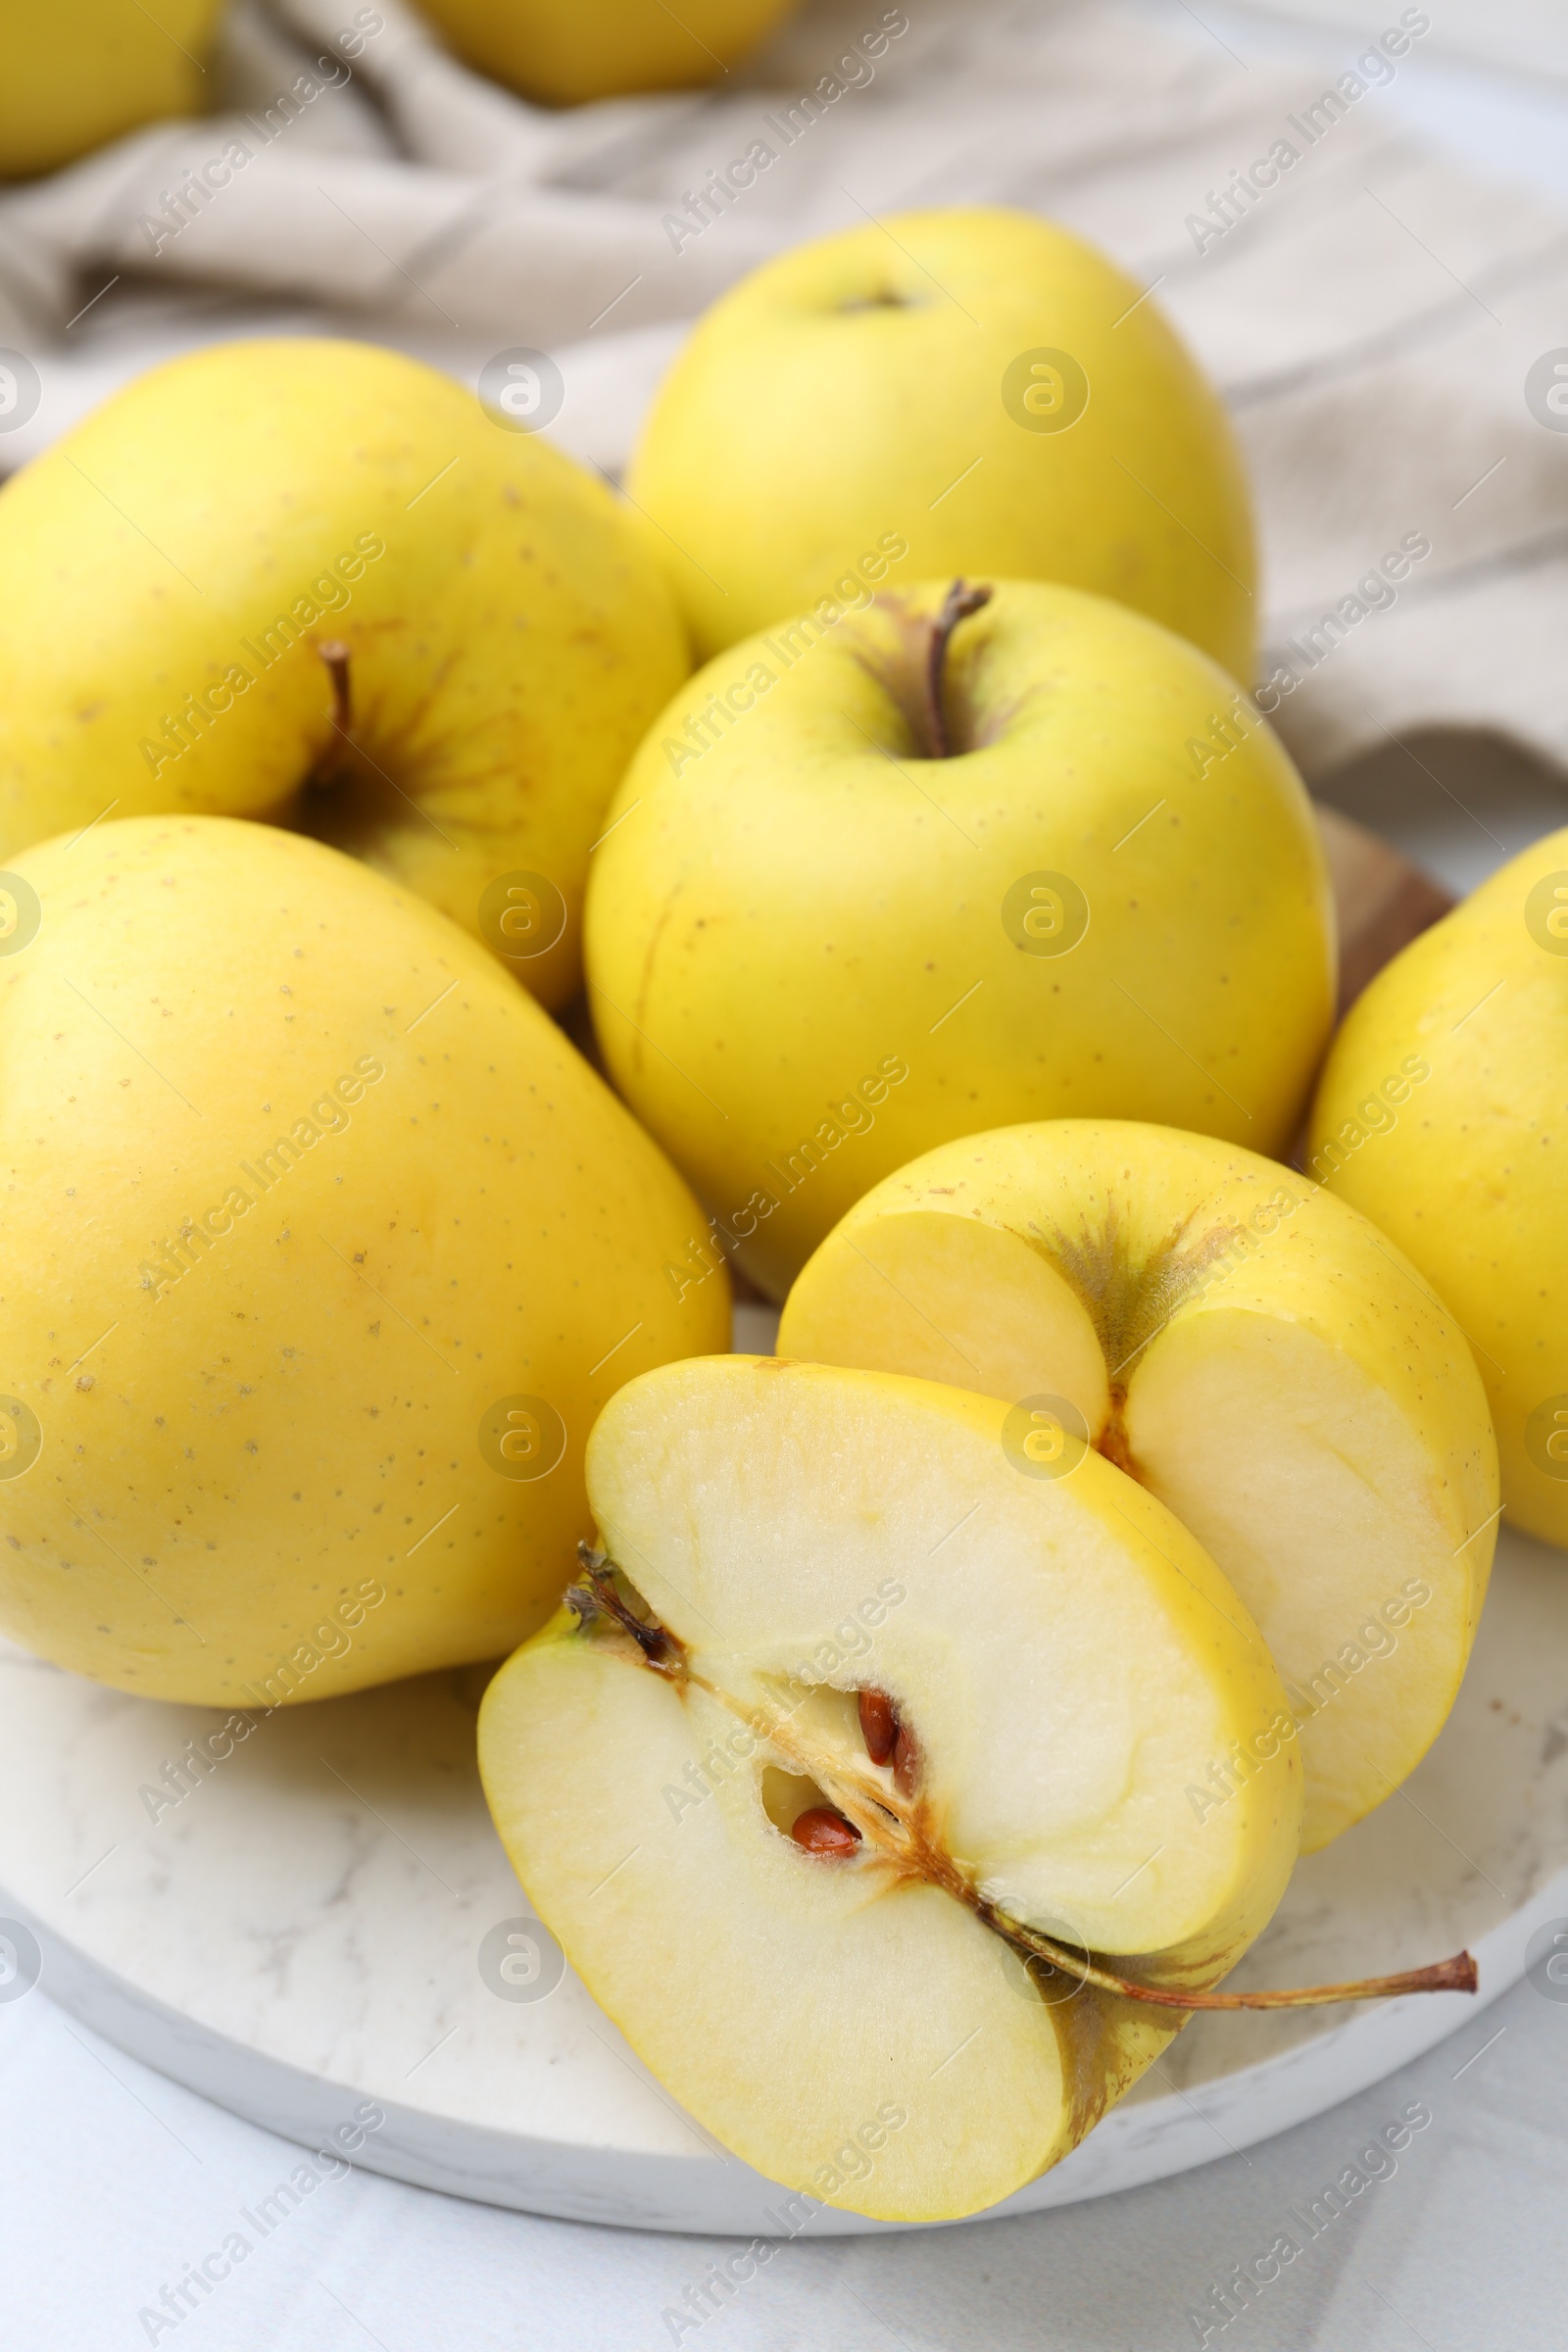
(957, 605)
(335, 654)
(1459, 1975)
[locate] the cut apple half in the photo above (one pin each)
(1246, 1348)
(855, 1776)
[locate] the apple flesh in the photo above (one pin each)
(177, 569)
(1249, 1350)
(1439, 1115)
(979, 386)
(816, 947)
(324, 1247)
(809, 1937)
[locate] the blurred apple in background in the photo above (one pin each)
(316, 582)
(324, 1250)
(563, 52)
(825, 932)
(74, 73)
(981, 384)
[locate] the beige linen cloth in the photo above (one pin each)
(1386, 328)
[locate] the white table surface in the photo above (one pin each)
(115, 2181)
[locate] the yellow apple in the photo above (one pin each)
(1248, 1350)
(1443, 1115)
(322, 1250)
(822, 1940)
(824, 935)
(977, 384)
(317, 583)
(563, 52)
(77, 72)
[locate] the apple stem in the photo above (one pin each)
(1459, 1975)
(335, 654)
(957, 605)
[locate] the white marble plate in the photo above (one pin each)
(307, 1929)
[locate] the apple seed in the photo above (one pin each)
(879, 1725)
(822, 1830)
(906, 1761)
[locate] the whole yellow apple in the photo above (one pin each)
(935, 866)
(315, 583)
(1250, 1350)
(1443, 1115)
(324, 1247)
(977, 382)
(77, 72)
(563, 52)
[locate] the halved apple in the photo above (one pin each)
(864, 1717)
(1248, 1350)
